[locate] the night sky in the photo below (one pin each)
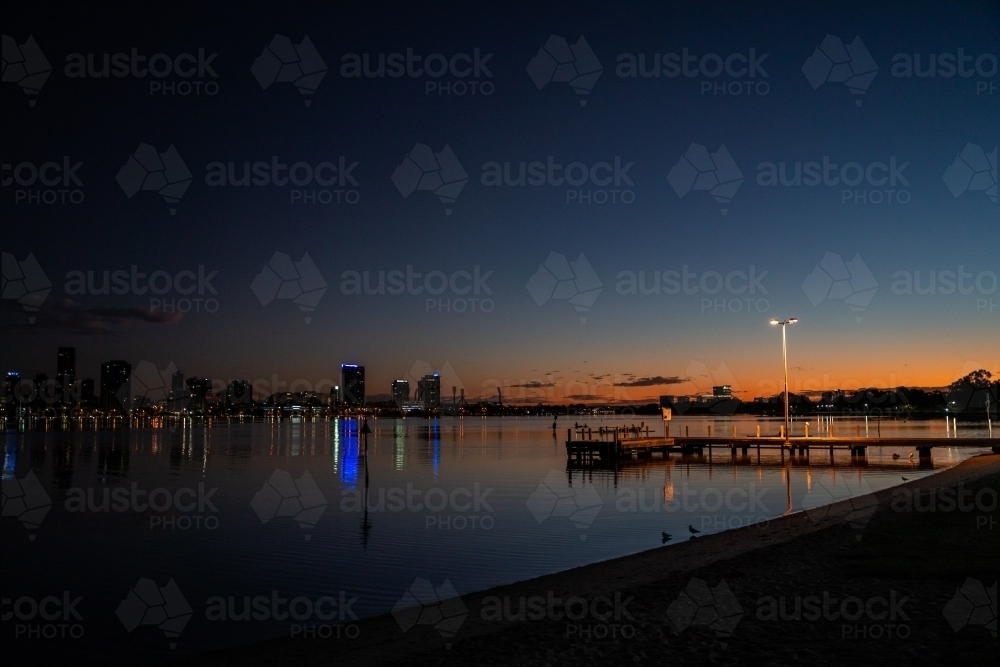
(935, 214)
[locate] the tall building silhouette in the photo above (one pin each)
(87, 396)
(429, 391)
(400, 392)
(116, 386)
(198, 389)
(352, 384)
(66, 374)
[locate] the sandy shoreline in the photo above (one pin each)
(798, 555)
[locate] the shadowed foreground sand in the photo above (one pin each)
(773, 595)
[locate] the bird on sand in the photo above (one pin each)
(895, 456)
(666, 537)
(692, 529)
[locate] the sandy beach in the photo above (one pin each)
(867, 581)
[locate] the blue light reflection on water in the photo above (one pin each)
(376, 554)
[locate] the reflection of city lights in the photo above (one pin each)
(9, 461)
(668, 491)
(809, 480)
(349, 466)
(400, 453)
(436, 444)
(336, 444)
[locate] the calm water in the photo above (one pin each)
(479, 502)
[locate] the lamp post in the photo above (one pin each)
(784, 359)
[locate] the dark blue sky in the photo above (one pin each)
(650, 123)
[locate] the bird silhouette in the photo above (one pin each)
(666, 537)
(905, 479)
(910, 456)
(895, 456)
(692, 529)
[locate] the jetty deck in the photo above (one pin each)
(610, 443)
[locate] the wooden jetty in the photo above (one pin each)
(606, 443)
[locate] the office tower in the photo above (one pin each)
(66, 375)
(400, 392)
(198, 389)
(11, 397)
(239, 392)
(724, 391)
(87, 396)
(177, 385)
(45, 394)
(352, 382)
(429, 391)
(116, 386)
(335, 396)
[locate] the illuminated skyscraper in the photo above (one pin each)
(352, 383)
(400, 392)
(66, 375)
(116, 386)
(429, 391)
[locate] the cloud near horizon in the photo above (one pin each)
(66, 315)
(653, 381)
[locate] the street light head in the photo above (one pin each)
(793, 320)
(774, 321)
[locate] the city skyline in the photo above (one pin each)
(544, 282)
